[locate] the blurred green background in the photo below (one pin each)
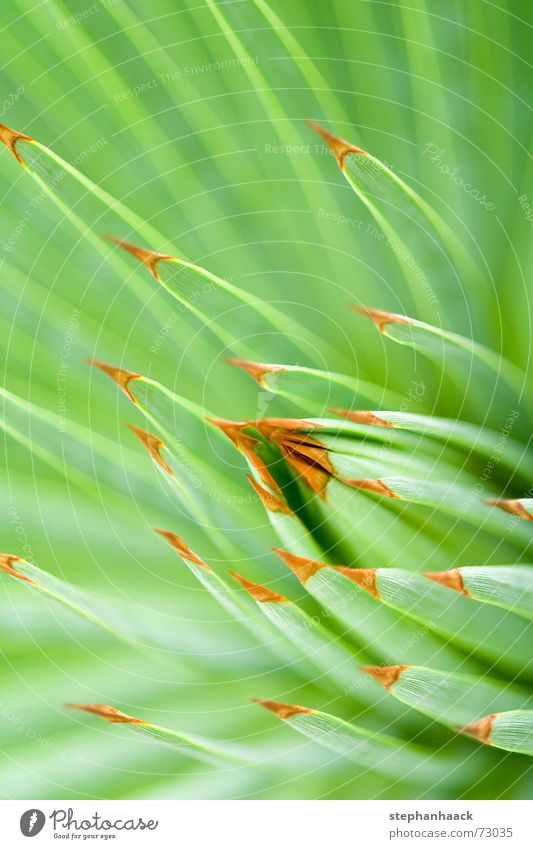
(195, 117)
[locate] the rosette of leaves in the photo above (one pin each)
(321, 349)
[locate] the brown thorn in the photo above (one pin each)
(371, 485)
(382, 318)
(153, 445)
(255, 370)
(268, 428)
(275, 505)
(303, 567)
(260, 467)
(259, 593)
(271, 426)
(340, 147)
(246, 444)
(385, 675)
(361, 417)
(364, 578)
(480, 730)
(231, 429)
(108, 713)
(308, 458)
(281, 709)
(147, 257)
(6, 565)
(10, 138)
(316, 478)
(119, 375)
(305, 445)
(452, 579)
(183, 550)
(511, 505)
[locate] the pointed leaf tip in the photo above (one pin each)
(10, 138)
(231, 429)
(306, 456)
(270, 501)
(371, 485)
(481, 730)
(303, 567)
(6, 565)
(512, 506)
(153, 445)
(108, 713)
(246, 444)
(381, 318)
(281, 709)
(364, 578)
(385, 675)
(283, 427)
(183, 550)
(147, 257)
(259, 593)
(255, 370)
(340, 147)
(119, 375)
(361, 417)
(452, 580)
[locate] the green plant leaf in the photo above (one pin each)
(511, 730)
(494, 388)
(123, 624)
(449, 698)
(510, 587)
(189, 745)
(369, 750)
(427, 250)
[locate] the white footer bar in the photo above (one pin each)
(267, 824)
